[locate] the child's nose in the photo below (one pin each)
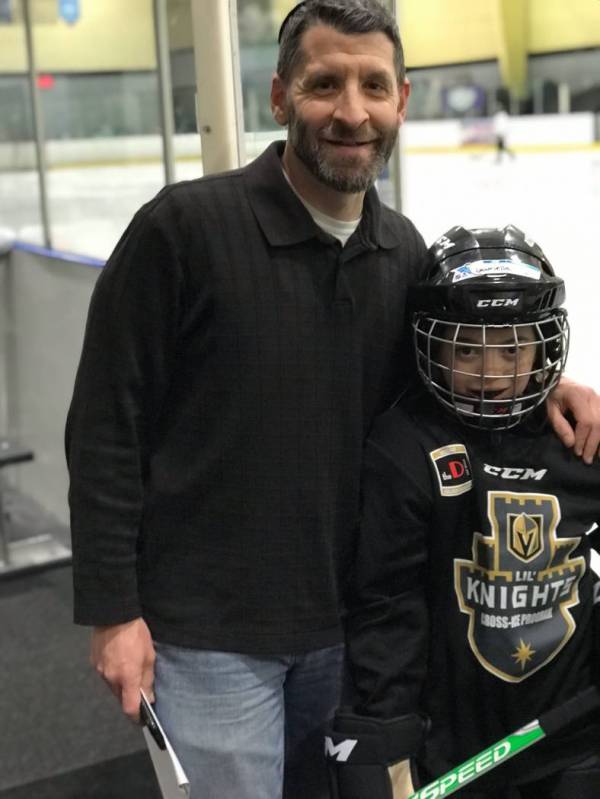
(496, 365)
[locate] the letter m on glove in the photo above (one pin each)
(340, 751)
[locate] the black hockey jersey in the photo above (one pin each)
(472, 596)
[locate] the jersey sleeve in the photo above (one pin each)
(387, 618)
(407, 355)
(123, 376)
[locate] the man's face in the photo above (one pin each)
(500, 369)
(343, 106)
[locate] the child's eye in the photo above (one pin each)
(465, 351)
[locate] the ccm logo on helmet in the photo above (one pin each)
(498, 303)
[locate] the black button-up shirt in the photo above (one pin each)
(234, 358)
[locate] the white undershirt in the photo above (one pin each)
(338, 228)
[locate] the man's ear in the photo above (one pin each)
(403, 101)
(279, 101)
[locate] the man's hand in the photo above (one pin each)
(584, 405)
(123, 655)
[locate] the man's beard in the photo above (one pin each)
(356, 175)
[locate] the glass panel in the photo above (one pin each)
(19, 188)
(99, 94)
(258, 26)
(188, 160)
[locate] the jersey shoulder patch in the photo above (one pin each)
(453, 470)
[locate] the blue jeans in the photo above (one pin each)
(248, 727)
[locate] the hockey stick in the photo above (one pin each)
(547, 724)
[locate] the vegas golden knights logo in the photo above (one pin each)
(519, 585)
(525, 535)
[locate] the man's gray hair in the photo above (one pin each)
(346, 16)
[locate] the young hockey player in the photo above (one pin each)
(470, 610)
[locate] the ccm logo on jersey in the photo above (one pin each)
(453, 469)
(340, 752)
(514, 472)
(499, 303)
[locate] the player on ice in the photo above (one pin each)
(500, 123)
(471, 604)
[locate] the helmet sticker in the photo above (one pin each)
(495, 267)
(445, 243)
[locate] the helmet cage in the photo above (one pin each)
(526, 389)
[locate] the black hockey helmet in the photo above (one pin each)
(489, 291)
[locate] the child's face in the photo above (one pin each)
(501, 368)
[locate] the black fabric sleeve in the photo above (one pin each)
(387, 618)
(408, 354)
(123, 376)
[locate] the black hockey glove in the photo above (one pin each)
(370, 759)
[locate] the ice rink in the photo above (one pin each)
(554, 196)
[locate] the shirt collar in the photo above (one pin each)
(283, 218)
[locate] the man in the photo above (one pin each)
(241, 339)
